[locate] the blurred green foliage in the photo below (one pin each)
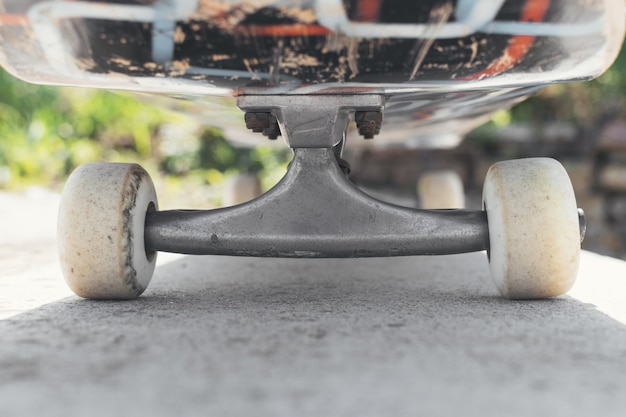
(46, 132)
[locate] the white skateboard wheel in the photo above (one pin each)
(441, 190)
(534, 229)
(241, 188)
(101, 231)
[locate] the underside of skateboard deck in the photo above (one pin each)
(443, 65)
(308, 71)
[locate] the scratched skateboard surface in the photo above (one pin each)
(438, 62)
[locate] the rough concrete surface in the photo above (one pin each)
(216, 336)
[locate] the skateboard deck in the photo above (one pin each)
(444, 65)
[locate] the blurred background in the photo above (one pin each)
(46, 132)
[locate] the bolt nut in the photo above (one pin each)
(273, 131)
(263, 122)
(368, 123)
(257, 122)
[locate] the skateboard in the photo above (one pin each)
(320, 74)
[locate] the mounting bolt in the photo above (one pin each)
(257, 122)
(273, 131)
(368, 123)
(263, 122)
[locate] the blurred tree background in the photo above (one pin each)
(45, 132)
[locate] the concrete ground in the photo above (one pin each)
(217, 336)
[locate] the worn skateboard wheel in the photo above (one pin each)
(101, 231)
(441, 190)
(534, 233)
(241, 188)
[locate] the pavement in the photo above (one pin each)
(217, 336)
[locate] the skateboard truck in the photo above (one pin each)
(530, 227)
(315, 212)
